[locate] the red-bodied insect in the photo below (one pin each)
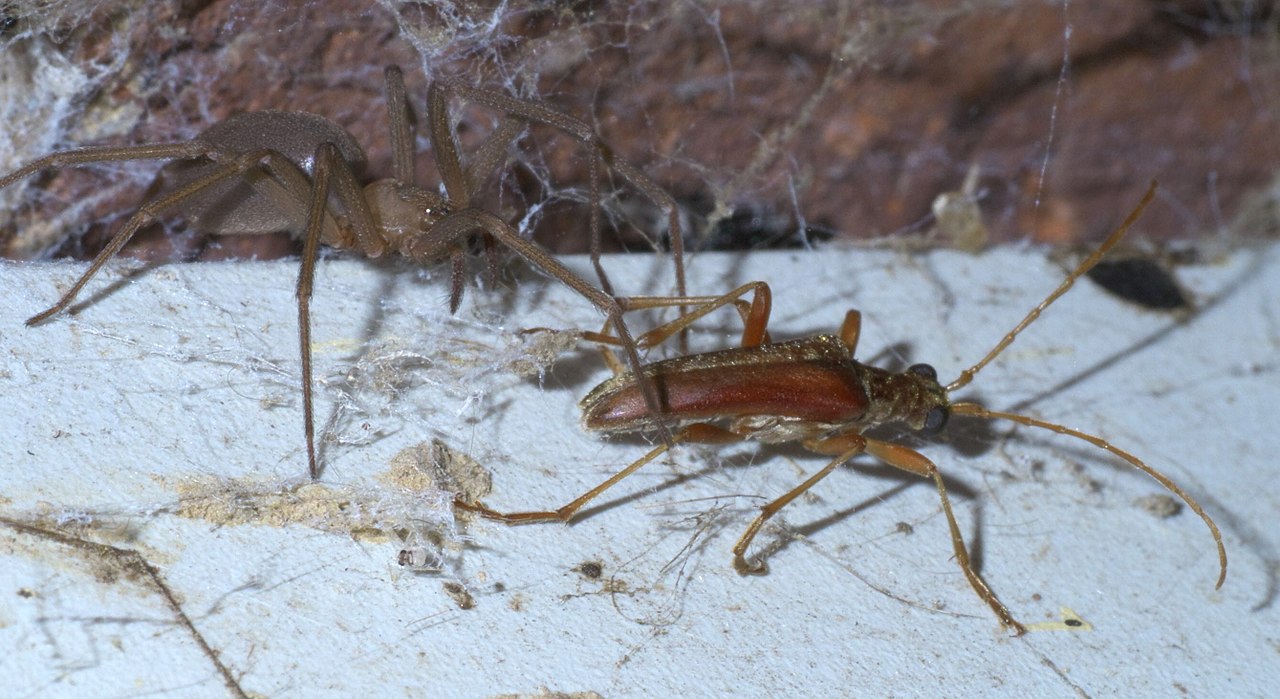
(280, 171)
(814, 392)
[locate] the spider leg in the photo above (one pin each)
(104, 154)
(457, 278)
(594, 224)
(316, 211)
(484, 162)
(579, 131)
(401, 118)
(457, 224)
(444, 144)
(462, 219)
(100, 154)
(148, 213)
(331, 172)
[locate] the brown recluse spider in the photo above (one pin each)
(272, 171)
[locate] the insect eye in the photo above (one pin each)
(935, 420)
(924, 370)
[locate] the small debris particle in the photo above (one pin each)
(460, 595)
(420, 560)
(545, 693)
(959, 217)
(435, 466)
(1160, 505)
(536, 349)
(1068, 620)
(1140, 281)
(591, 570)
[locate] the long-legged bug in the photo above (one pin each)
(269, 171)
(814, 392)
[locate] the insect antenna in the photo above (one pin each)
(967, 375)
(975, 410)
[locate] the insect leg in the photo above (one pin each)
(846, 446)
(850, 330)
(458, 224)
(703, 433)
(755, 315)
(913, 461)
(755, 319)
